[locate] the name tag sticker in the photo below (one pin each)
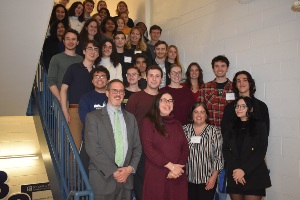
(136, 51)
(127, 59)
(230, 96)
(195, 139)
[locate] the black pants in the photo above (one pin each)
(197, 191)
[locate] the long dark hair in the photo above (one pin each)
(84, 33)
(71, 11)
(251, 121)
(113, 56)
(188, 75)
(249, 104)
(53, 14)
(104, 23)
(154, 115)
(53, 28)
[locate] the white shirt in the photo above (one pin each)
(114, 72)
(75, 23)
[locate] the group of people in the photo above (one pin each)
(141, 124)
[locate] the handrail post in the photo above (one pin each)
(65, 156)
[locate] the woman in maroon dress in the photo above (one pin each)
(166, 151)
(183, 96)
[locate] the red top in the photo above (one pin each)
(184, 100)
(139, 104)
(196, 94)
(159, 150)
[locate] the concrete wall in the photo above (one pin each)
(261, 37)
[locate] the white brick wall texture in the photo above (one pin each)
(262, 37)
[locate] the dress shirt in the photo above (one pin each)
(110, 111)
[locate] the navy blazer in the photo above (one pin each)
(252, 157)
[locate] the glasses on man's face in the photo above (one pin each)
(242, 106)
(165, 101)
(119, 39)
(100, 76)
(175, 73)
(115, 91)
(96, 49)
(131, 75)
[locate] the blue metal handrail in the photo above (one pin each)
(73, 180)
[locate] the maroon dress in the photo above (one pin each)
(159, 150)
(184, 100)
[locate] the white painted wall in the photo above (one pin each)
(23, 31)
(136, 8)
(262, 37)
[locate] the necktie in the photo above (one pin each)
(118, 140)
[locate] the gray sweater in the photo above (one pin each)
(58, 66)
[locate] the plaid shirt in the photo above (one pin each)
(215, 103)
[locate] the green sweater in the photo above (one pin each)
(58, 66)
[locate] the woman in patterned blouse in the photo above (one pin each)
(205, 158)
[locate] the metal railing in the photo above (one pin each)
(73, 180)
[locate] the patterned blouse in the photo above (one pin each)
(205, 157)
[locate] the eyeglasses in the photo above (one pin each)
(175, 73)
(165, 101)
(100, 76)
(131, 75)
(242, 106)
(93, 49)
(120, 39)
(115, 91)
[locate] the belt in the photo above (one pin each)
(73, 106)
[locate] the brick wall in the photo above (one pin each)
(261, 37)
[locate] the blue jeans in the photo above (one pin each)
(219, 195)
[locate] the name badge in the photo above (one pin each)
(127, 59)
(137, 51)
(195, 139)
(230, 96)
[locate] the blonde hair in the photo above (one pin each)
(141, 44)
(176, 61)
(123, 2)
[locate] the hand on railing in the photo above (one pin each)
(67, 116)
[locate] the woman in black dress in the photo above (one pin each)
(245, 145)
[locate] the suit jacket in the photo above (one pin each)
(100, 146)
(250, 159)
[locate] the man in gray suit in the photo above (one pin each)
(113, 144)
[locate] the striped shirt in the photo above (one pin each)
(205, 157)
(215, 101)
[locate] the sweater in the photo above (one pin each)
(114, 72)
(58, 66)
